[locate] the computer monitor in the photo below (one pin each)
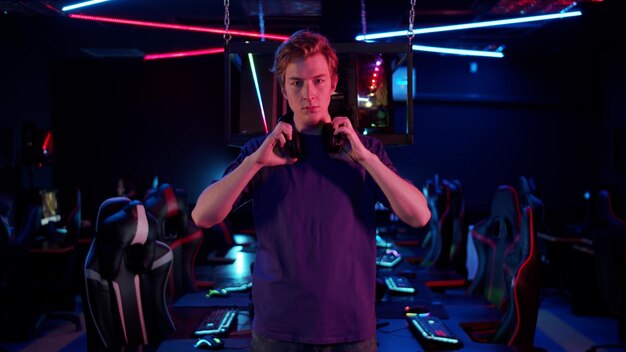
(49, 207)
(364, 92)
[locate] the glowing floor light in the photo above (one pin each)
(457, 27)
(435, 49)
(177, 27)
(177, 54)
(258, 90)
(82, 4)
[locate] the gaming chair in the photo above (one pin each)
(608, 233)
(438, 241)
(126, 273)
(521, 269)
(458, 227)
(495, 238)
(180, 233)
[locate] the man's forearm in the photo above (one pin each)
(217, 200)
(406, 201)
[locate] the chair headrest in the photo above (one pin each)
(603, 203)
(169, 206)
(457, 201)
(166, 201)
(125, 235)
(438, 194)
(505, 204)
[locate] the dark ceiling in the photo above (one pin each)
(41, 24)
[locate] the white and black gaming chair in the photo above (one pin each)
(126, 273)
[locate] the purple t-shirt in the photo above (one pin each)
(314, 276)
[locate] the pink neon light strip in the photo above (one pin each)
(141, 234)
(120, 309)
(178, 27)
(142, 321)
(176, 54)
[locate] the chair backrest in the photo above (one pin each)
(521, 270)
(5, 228)
(169, 205)
(125, 273)
(527, 191)
(608, 233)
(30, 227)
(5, 238)
(73, 219)
(494, 239)
(458, 228)
(437, 241)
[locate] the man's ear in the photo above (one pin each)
(334, 81)
(282, 90)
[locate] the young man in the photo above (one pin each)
(315, 269)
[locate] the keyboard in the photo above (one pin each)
(390, 258)
(381, 243)
(399, 284)
(218, 321)
(432, 333)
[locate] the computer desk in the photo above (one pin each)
(393, 333)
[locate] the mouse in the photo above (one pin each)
(209, 342)
(220, 292)
(416, 310)
(409, 274)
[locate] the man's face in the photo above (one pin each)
(308, 87)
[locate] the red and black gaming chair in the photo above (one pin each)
(126, 273)
(607, 231)
(457, 225)
(495, 238)
(169, 206)
(435, 270)
(439, 237)
(521, 270)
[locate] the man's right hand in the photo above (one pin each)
(271, 152)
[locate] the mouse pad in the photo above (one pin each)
(230, 344)
(199, 299)
(395, 310)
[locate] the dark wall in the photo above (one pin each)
(558, 117)
(537, 117)
(129, 118)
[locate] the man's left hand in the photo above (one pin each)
(353, 150)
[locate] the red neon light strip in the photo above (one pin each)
(183, 54)
(178, 27)
(47, 141)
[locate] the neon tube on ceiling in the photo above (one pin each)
(434, 49)
(457, 27)
(82, 4)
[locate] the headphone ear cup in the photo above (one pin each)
(332, 142)
(293, 147)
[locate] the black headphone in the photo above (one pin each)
(293, 148)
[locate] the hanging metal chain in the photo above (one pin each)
(363, 19)
(227, 35)
(410, 34)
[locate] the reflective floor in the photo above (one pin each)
(558, 329)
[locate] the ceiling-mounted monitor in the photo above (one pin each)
(364, 93)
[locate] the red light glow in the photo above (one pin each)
(47, 142)
(178, 27)
(183, 54)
